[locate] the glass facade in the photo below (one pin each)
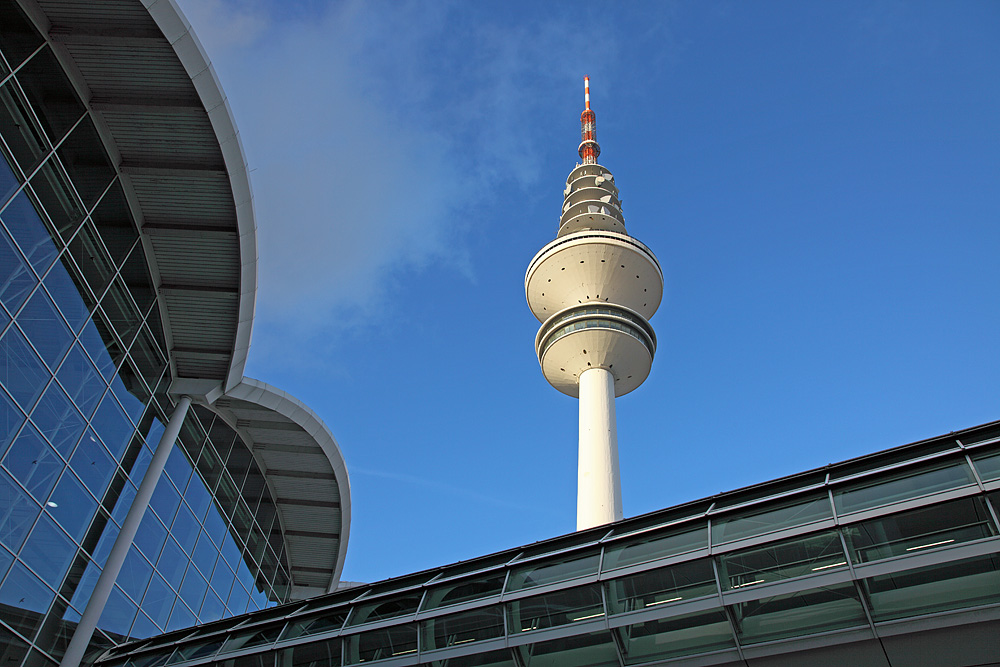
(83, 374)
(728, 577)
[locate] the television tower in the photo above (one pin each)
(594, 289)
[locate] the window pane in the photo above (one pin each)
(902, 486)
(18, 127)
(135, 574)
(677, 636)
(925, 528)
(560, 608)
(18, 40)
(593, 650)
(113, 426)
(24, 600)
(33, 463)
(965, 583)
(49, 551)
(21, 371)
(796, 614)
(17, 514)
(464, 628)
(500, 658)
(250, 638)
(53, 190)
(988, 465)
(71, 505)
(80, 380)
(380, 610)
(781, 560)
(194, 651)
(312, 626)
(85, 160)
(663, 586)
(30, 233)
(549, 572)
(50, 92)
(759, 521)
(180, 617)
(651, 546)
(381, 644)
(45, 328)
(92, 464)
(10, 420)
(464, 590)
(58, 419)
(319, 654)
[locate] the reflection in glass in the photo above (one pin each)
(500, 658)
(463, 628)
(964, 583)
(596, 649)
(388, 642)
(651, 546)
(21, 371)
(953, 522)
(796, 614)
(464, 590)
(548, 572)
(782, 560)
(685, 581)
(17, 513)
(71, 505)
(33, 463)
(45, 328)
(58, 420)
(676, 636)
(250, 638)
(379, 610)
(24, 600)
(318, 654)
(759, 521)
(911, 483)
(988, 465)
(559, 608)
(49, 551)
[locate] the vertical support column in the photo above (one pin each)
(599, 489)
(99, 598)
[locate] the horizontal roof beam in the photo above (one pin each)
(180, 229)
(166, 288)
(174, 171)
(107, 35)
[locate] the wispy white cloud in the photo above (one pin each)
(372, 130)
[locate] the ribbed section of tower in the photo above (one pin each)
(594, 289)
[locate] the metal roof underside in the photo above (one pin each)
(157, 103)
(306, 475)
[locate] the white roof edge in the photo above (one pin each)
(257, 392)
(177, 30)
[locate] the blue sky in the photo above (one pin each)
(820, 181)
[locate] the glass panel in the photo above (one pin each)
(964, 583)
(81, 381)
(759, 521)
(10, 420)
(897, 535)
(250, 638)
(44, 327)
(464, 590)
(92, 463)
(381, 644)
(135, 273)
(988, 465)
(51, 94)
(201, 649)
(165, 500)
(150, 536)
(92, 258)
(33, 463)
(180, 617)
(651, 546)
(596, 649)
(21, 371)
(675, 637)
(560, 608)
(158, 600)
(135, 574)
(12, 648)
(253, 660)
(49, 551)
(16, 279)
(118, 306)
(541, 573)
(379, 610)
(24, 600)
(212, 608)
(58, 419)
(781, 560)
(663, 586)
(911, 483)
(19, 129)
(464, 628)
(18, 40)
(101, 344)
(796, 614)
(8, 181)
(114, 222)
(172, 563)
(54, 192)
(17, 513)
(193, 589)
(318, 654)
(31, 234)
(71, 505)
(69, 293)
(83, 156)
(500, 658)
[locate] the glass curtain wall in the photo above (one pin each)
(83, 371)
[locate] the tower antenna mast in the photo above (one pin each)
(594, 289)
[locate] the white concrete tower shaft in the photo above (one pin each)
(594, 289)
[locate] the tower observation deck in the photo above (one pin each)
(594, 289)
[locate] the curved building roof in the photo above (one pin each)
(167, 127)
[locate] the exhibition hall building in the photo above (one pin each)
(160, 509)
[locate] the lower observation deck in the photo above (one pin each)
(888, 560)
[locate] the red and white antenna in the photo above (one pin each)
(589, 150)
